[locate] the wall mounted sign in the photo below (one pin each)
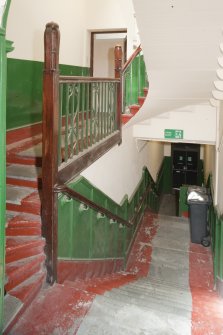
(174, 133)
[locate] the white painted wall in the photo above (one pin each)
(104, 58)
(209, 160)
(27, 20)
(26, 24)
(156, 155)
(197, 122)
(118, 172)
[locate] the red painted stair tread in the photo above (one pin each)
(63, 306)
(22, 247)
(21, 270)
(29, 288)
(134, 109)
(30, 204)
(23, 225)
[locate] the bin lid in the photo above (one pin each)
(195, 197)
(200, 189)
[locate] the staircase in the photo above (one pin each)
(133, 109)
(166, 289)
(25, 256)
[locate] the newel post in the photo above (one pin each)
(50, 146)
(118, 61)
(118, 75)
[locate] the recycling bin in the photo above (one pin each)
(198, 200)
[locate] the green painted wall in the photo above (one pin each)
(164, 178)
(4, 47)
(135, 81)
(24, 90)
(216, 231)
(85, 234)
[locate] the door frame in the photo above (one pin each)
(92, 39)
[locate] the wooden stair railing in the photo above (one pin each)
(75, 195)
(81, 121)
(134, 80)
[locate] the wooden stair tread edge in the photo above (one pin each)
(22, 247)
(23, 220)
(19, 271)
(28, 286)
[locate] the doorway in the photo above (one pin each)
(185, 162)
(102, 51)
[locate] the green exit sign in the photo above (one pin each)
(174, 133)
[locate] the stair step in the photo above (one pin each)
(114, 300)
(22, 247)
(22, 224)
(103, 284)
(126, 118)
(183, 301)
(150, 284)
(33, 151)
(12, 307)
(22, 199)
(29, 287)
(59, 310)
(19, 152)
(145, 91)
(134, 109)
(23, 175)
(25, 293)
(111, 316)
(141, 100)
(21, 270)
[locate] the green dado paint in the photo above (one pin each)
(86, 234)
(24, 90)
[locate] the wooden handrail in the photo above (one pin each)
(75, 195)
(132, 57)
(71, 79)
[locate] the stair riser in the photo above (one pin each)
(24, 160)
(134, 109)
(23, 231)
(141, 100)
(26, 183)
(26, 297)
(23, 252)
(30, 208)
(16, 278)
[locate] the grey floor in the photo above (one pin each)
(159, 304)
(168, 204)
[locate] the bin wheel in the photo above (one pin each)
(205, 242)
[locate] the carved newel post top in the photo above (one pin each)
(52, 25)
(52, 43)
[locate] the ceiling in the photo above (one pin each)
(180, 40)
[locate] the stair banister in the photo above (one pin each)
(81, 122)
(75, 195)
(133, 83)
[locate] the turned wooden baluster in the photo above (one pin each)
(50, 147)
